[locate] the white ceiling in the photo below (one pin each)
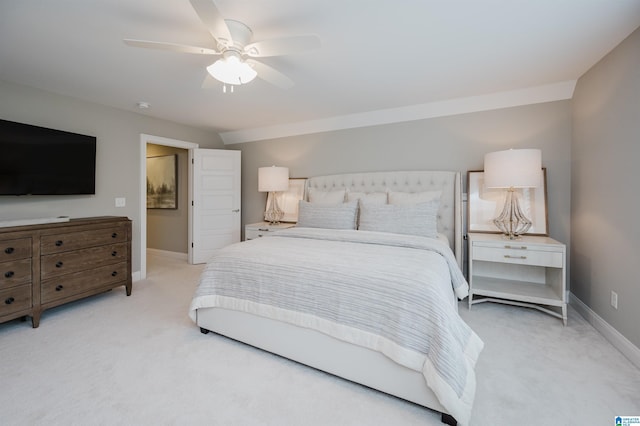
(379, 61)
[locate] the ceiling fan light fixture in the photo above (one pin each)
(231, 69)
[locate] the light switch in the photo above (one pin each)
(121, 201)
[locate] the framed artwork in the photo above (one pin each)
(288, 200)
(485, 204)
(162, 176)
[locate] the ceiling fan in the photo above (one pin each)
(233, 43)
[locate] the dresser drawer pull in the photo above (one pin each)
(263, 230)
(9, 274)
(506, 256)
(114, 253)
(9, 301)
(59, 287)
(114, 273)
(59, 243)
(59, 264)
(516, 248)
(114, 235)
(9, 250)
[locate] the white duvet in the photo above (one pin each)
(387, 292)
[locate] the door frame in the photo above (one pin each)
(156, 140)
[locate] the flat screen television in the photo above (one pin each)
(39, 161)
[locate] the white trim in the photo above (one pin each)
(532, 95)
(166, 253)
(135, 276)
(618, 341)
(157, 140)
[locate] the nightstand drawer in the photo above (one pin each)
(260, 229)
(523, 256)
(250, 234)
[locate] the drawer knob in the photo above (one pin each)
(59, 243)
(9, 250)
(9, 301)
(114, 235)
(114, 273)
(59, 287)
(59, 264)
(114, 253)
(9, 274)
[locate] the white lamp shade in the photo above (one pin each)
(232, 70)
(273, 179)
(513, 168)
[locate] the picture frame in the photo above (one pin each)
(289, 200)
(485, 204)
(162, 182)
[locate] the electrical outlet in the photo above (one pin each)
(614, 300)
(121, 201)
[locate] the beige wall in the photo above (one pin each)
(448, 143)
(604, 195)
(118, 153)
(168, 229)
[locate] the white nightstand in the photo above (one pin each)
(530, 271)
(257, 230)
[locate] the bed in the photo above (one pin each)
(377, 305)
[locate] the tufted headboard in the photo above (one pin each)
(449, 214)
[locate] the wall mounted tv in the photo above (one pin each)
(39, 161)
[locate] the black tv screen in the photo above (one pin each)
(39, 161)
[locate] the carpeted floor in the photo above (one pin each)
(139, 360)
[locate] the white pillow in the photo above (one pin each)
(338, 216)
(418, 219)
(368, 197)
(326, 197)
(408, 198)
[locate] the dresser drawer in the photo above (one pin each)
(522, 256)
(55, 265)
(15, 273)
(15, 299)
(58, 243)
(79, 282)
(15, 249)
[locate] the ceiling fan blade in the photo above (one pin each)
(174, 47)
(282, 46)
(209, 14)
(271, 75)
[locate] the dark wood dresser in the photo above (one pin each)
(47, 265)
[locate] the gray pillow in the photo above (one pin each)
(338, 216)
(417, 219)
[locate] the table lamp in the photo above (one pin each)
(512, 169)
(273, 179)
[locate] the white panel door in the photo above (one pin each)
(215, 202)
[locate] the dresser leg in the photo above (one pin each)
(35, 319)
(128, 287)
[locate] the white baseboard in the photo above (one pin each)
(165, 253)
(135, 276)
(628, 349)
